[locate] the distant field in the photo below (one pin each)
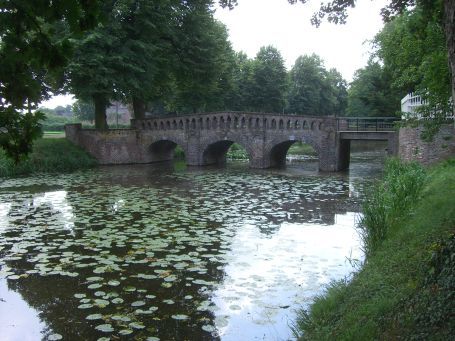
(53, 134)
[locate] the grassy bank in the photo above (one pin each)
(405, 289)
(49, 155)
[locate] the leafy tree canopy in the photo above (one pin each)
(314, 90)
(32, 62)
(414, 51)
(84, 110)
(371, 92)
(270, 80)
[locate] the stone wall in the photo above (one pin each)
(114, 146)
(412, 148)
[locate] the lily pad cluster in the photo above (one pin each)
(131, 258)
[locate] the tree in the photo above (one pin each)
(270, 81)
(34, 50)
(339, 87)
(84, 110)
(32, 64)
(412, 47)
(243, 83)
(336, 12)
(315, 91)
(149, 51)
(167, 52)
(205, 59)
(97, 67)
(371, 92)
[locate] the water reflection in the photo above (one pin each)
(148, 251)
(18, 320)
(268, 277)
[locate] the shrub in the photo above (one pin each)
(49, 155)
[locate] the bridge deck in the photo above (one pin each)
(367, 124)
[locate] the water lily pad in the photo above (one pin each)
(105, 328)
(95, 286)
(117, 300)
(79, 295)
(136, 325)
(113, 283)
(125, 331)
(180, 317)
(138, 304)
(99, 270)
(123, 318)
(168, 301)
(54, 337)
(94, 279)
(85, 306)
(94, 317)
(101, 303)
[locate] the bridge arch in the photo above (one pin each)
(163, 149)
(215, 151)
(277, 150)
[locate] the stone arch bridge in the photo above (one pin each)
(206, 138)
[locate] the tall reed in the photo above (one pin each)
(390, 201)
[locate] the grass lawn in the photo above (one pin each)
(53, 134)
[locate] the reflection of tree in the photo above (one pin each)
(195, 211)
(53, 297)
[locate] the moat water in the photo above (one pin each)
(166, 252)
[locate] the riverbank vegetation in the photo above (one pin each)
(53, 155)
(405, 287)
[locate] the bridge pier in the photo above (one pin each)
(345, 138)
(343, 154)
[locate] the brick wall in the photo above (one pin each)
(412, 148)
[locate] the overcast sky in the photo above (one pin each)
(256, 23)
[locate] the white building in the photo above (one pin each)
(410, 103)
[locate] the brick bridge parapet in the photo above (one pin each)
(206, 138)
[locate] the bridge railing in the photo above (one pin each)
(367, 123)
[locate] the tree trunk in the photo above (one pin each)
(100, 112)
(138, 108)
(449, 23)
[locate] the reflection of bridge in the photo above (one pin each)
(206, 138)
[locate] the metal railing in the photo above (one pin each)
(367, 123)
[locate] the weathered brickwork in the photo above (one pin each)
(205, 139)
(412, 148)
